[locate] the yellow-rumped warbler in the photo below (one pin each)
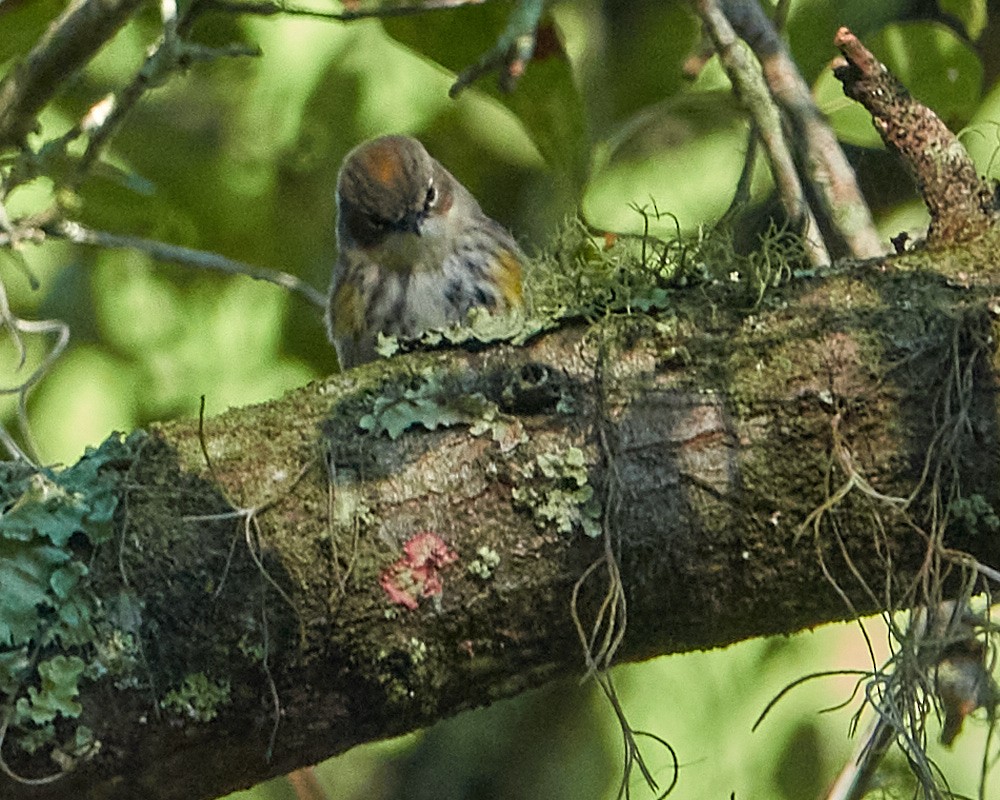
(415, 250)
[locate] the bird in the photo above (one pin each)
(415, 250)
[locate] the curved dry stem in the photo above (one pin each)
(5, 767)
(15, 326)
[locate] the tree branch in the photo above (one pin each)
(830, 174)
(296, 554)
(70, 42)
(185, 256)
(749, 85)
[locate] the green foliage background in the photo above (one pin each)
(239, 157)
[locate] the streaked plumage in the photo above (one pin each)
(415, 250)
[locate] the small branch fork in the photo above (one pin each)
(749, 84)
(72, 39)
(962, 206)
(796, 138)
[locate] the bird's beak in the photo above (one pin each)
(412, 222)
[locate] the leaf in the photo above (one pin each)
(935, 64)
(545, 100)
(972, 14)
(850, 121)
(681, 156)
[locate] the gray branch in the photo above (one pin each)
(70, 42)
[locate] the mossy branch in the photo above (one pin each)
(353, 604)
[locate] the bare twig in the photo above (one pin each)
(15, 326)
(381, 8)
(512, 51)
(830, 174)
(748, 83)
(70, 42)
(186, 256)
(171, 54)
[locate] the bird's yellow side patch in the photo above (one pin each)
(508, 278)
(347, 311)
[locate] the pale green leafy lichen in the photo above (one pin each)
(975, 515)
(485, 563)
(560, 493)
(47, 608)
(417, 650)
(432, 404)
(198, 698)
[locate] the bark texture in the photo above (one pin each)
(708, 435)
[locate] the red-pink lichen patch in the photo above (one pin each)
(416, 573)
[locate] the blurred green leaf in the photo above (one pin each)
(812, 24)
(546, 99)
(682, 156)
(850, 121)
(935, 64)
(87, 395)
(971, 13)
(23, 21)
(981, 136)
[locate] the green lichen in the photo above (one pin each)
(57, 691)
(417, 650)
(118, 656)
(485, 563)
(559, 492)
(974, 515)
(47, 607)
(581, 275)
(252, 647)
(198, 698)
(436, 402)
(480, 328)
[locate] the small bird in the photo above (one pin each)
(416, 251)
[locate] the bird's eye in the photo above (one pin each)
(431, 199)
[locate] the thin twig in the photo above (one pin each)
(171, 55)
(267, 8)
(69, 43)
(749, 85)
(511, 53)
(51, 777)
(830, 174)
(187, 257)
(15, 326)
